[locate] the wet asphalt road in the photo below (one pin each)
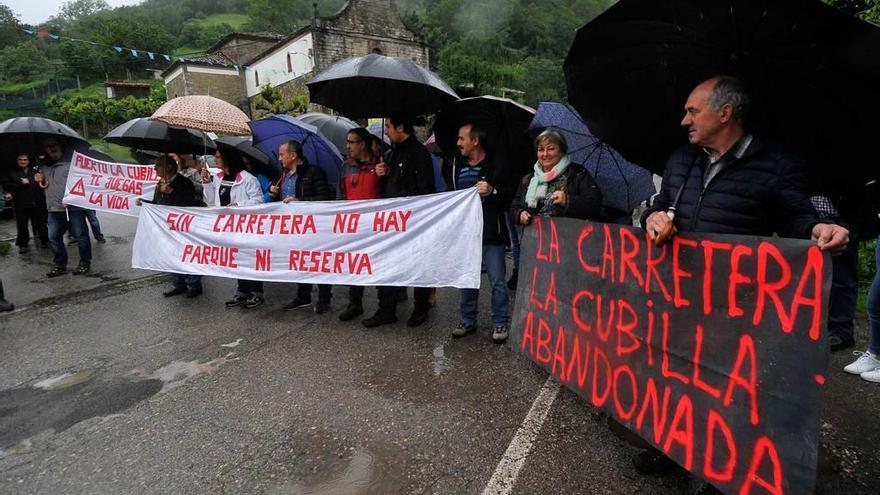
(105, 387)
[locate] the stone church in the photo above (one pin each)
(240, 64)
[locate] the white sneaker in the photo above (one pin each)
(872, 376)
(866, 362)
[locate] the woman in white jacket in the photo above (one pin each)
(234, 186)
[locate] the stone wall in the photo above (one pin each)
(175, 87)
(226, 87)
(361, 27)
(241, 50)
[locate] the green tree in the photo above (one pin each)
(271, 101)
(281, 16)
(22, 62)
(75, 10)
(10, 30)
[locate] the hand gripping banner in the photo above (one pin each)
(711, 348)
(108, 186)
(423, 241)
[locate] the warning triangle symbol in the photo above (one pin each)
(78, 189)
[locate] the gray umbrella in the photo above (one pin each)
(376, 85)
(333, 127)
(18, 127)
(153, 135)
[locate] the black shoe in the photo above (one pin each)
(6, 305)
(351, 312)
(57, 271)
(380, 318)
(297, 303)
(253, 301)
(23, 249)
(193, 292)
(839, 343)
(101, 240)
(322, 308)
(82, 269)
(236, 300)
(652, 461)
(511, 284)
(176, 291)
(417, 317)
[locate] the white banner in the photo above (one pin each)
(421, 241)
(108, 186)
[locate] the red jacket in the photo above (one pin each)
(359, 181)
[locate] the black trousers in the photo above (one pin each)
(38, 218)
(325, 292)
(388, 299)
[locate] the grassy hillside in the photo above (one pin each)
(237, 21)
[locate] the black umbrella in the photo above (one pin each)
(376, 85)
(812, 72)
(37, 127)
(153, 135)
(245, 146)
(505, 121)
(333, 127)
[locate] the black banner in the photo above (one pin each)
(711, 348)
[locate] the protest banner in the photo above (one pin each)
(108, 186)
(423, 241)
(711, 347)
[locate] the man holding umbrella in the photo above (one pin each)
(730, 181)
(408, 172)
(52, 177)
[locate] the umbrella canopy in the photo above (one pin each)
(38, 127)
(623, 184)
(376, 85)
(504, 120)
(811, 70)
(245, 146)
(333, 127)
(270, 132)
(153, 135)
(204, 113)
(378, 129)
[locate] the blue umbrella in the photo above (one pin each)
(623, 184)
(270, 132)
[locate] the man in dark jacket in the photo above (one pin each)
(475, 168)
(730, 181)
(302, 181)
(28, 203)
(408, 171)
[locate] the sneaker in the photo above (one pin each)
(871, 376)
(6, 305)
(379, 318)
(322, 308)
(463, 329)
(193, 292)
(839, 343)
(351, 312)
(82, 269)
(253, 301)
(297, 303)
(57, 271)
(652, 461)
(500, 333)
(236, 300)
(101, 240)
(866, 362)
(176, 291)
(417, 317)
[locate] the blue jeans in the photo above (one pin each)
(185, 280)
(493, 260)
(873, 305)
(844, 292)
(58, 225)
(92, 217)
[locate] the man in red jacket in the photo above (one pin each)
(359, 181)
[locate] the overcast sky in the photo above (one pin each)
(37, 11)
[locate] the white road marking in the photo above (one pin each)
(504, 478)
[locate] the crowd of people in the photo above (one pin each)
(727, 180)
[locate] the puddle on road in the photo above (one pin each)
(65, 380)
(346, 477)
(57, 403)
(176, 373)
